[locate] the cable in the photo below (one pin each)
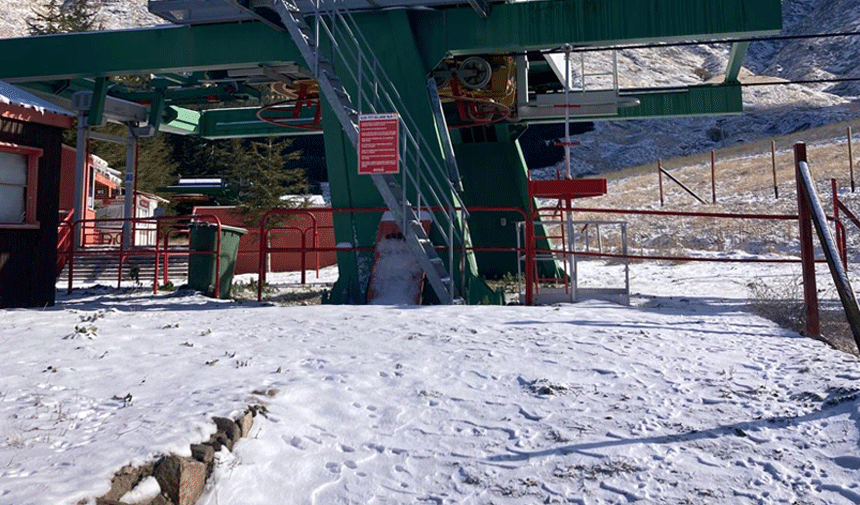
(802, 81)
(703, 42)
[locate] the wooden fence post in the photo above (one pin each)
(850, 160)
(773, 165)
(713, 177)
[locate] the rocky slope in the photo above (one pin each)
(771, 110)
(114, 14)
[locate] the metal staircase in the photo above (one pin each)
(336, 32)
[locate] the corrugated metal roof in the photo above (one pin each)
(10, 94)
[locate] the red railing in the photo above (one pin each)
(528, 249)
(839, 208)
(303, 250)
(309, 239)
(160, 226)
(265, 249)
(64, 240)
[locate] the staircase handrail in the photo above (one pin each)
(417, 142)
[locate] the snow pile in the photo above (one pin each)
(397, 277)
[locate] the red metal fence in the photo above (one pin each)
(306, 241)
(161, 228)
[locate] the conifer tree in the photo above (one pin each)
(260, 174)
(256, 167)
(64, 16)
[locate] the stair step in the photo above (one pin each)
(332, 88)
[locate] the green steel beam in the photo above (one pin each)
(693, 101)
(156, 110)
(546, 24)
(144, 51)
(186, 122)
(704, 100)
(97, 108)
(736, 59)
(243, 122)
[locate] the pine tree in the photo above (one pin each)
(64, 16)
(256, 167)
(261, 176)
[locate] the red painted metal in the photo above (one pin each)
(292, 110)
(567, 189)
(64, 241)
(265, 248)
(473, 111)
(807, 254)
(379, 144)
(727, 215)
(311, 245)
(157, 254)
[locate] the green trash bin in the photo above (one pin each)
(201, 267)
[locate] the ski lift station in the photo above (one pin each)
(420, 104)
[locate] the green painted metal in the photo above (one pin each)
(705, 100)
(155, 50)
(692, 101)
(402, 60)
(97, 107)
(494, 174)
(349, 190)
(156, 111)
(736, 59)
(493, 169)
(185, 122)
(243, 122)
(545, 24)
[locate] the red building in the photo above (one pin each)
(102, 183)
(31, 135)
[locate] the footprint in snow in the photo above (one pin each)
(296, 442)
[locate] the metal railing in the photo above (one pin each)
(420, 185)
(162, 227)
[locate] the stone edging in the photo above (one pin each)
(182, 479)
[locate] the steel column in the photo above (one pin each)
(807, 253)
(80, 167)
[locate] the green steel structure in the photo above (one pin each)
(225, 50)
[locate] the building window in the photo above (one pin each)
(19, 171)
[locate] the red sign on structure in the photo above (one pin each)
(378, 144)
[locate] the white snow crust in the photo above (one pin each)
(13, 95)
(683, 396)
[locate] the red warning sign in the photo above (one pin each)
(378, 143)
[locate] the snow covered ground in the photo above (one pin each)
(683, 397)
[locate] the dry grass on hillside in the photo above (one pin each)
(744, 184)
